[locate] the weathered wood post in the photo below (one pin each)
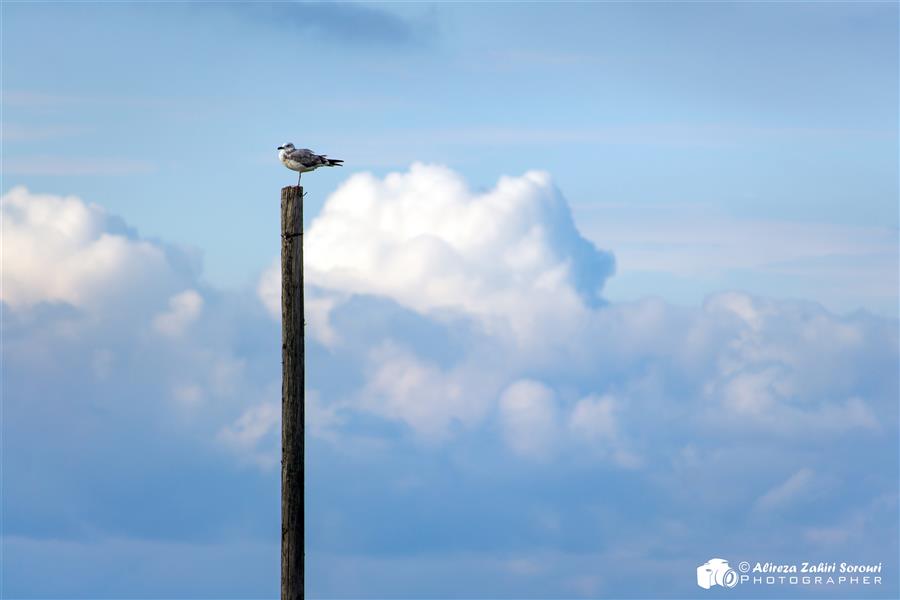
(292, 394)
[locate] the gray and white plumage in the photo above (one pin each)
(304, 160)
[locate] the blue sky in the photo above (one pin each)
(603, 290)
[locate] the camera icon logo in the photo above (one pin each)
(716, 571)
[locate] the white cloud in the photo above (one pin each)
(594, 425)
(528, 416)
(594, 422)
(653, 421)
(184, 308)
(594, 418)
(512, 260)
(59, 249)
(425, 240)
(247, 434)
(752, 393)
(269, 288)
(78, 282)
(509, 294)
(433, 402)
(322, 420)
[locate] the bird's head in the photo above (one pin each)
(287, 146)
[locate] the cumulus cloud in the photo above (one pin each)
(430, 400)
(60, 249)
(594, 418)
(529, 420)
(594, 422)
(269, 289)
(249, 430)
(460, 348)
(509, 256)
(131, 370)
(509, 269)
(184, 308)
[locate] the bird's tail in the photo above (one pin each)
(335, 162)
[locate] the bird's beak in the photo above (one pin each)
(280, 148)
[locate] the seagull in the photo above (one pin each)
(303, 160)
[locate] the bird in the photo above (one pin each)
(303, 160)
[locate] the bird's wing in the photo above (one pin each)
(306, 157)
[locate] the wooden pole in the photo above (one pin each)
(292, 394)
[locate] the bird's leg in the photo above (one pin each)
(299, 175)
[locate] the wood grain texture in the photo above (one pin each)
(293, 416)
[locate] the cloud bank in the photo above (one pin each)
(512, 433)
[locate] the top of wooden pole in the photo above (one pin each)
(291, 210)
